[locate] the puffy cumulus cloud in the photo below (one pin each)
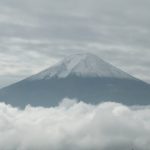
(75, 125)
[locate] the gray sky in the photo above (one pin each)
(35, 34)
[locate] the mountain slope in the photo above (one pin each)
(82, 76)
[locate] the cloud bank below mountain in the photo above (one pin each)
(75, 125)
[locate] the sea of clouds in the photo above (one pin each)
(75, 125)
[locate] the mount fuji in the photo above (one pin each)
(82, 76)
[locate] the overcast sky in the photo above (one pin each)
(35, 34)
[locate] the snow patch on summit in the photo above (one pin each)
(84, 65)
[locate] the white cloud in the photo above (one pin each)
(75, 125)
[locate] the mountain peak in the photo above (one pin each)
(81, 76)
(85, 65)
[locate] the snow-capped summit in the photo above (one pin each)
(85, 65)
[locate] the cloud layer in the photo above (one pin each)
(35, 33)
(75, 125)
